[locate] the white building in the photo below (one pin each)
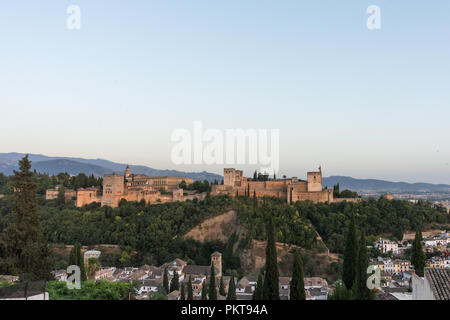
(386, 245)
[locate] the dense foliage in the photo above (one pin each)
(289, 224)
(375, 216)
(90, 290)
(152, 234)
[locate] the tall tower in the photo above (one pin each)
(216, 259)
(127, 173)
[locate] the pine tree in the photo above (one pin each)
(417, 254)
(271, 280)
(297, 291)
(204, 291)
(190, 292)
(222, 287)
(258, 293)
(175, 282)
(182, 294)
(231, 289)
(26, 248)
(166, 281)
(212, 284)
(350, 255)
(362, 292)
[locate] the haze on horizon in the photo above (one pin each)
(361, 103)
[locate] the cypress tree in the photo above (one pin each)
(271, 284)
(190, 292)
(61, 199)
(175, 282)
(350, 255)
(204, 291)
(222, 288)
(417, 254)
(231, 289)
(362, 292)
(25, 246)
(76, 258)
(212, 284)
(182, 294)
(166, 281)
(258, 293)
(248, 190)
(81, 263)
(297, 283)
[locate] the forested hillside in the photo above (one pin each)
(153, 233)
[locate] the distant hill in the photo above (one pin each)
(382, 186)
(98, 167)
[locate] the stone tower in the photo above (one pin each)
(315, 181)
(216, 259)
(113, 189)
(127, 173)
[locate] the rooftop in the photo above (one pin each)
(439, 280)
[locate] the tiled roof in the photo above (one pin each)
(193, 269)
(439, 280)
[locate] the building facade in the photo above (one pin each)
(293, 189)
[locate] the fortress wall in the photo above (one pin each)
(300, 186)
(87, 196)
(315, 197)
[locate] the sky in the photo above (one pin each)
(359, 102)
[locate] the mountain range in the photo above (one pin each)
(99, 167)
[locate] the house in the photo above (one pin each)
(435, 285)
(246, 285)
(149, 286)
(284, 286)
(386, 245)
(315, 282)
(105, 274)
(316, 293)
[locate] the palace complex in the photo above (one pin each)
(138, 187)
(292, 189)
(132, 187)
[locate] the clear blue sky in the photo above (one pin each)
(368, 104)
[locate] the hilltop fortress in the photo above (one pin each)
(292, 189)
(138, 187)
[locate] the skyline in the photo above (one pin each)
(361, 103)
(247, 172)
